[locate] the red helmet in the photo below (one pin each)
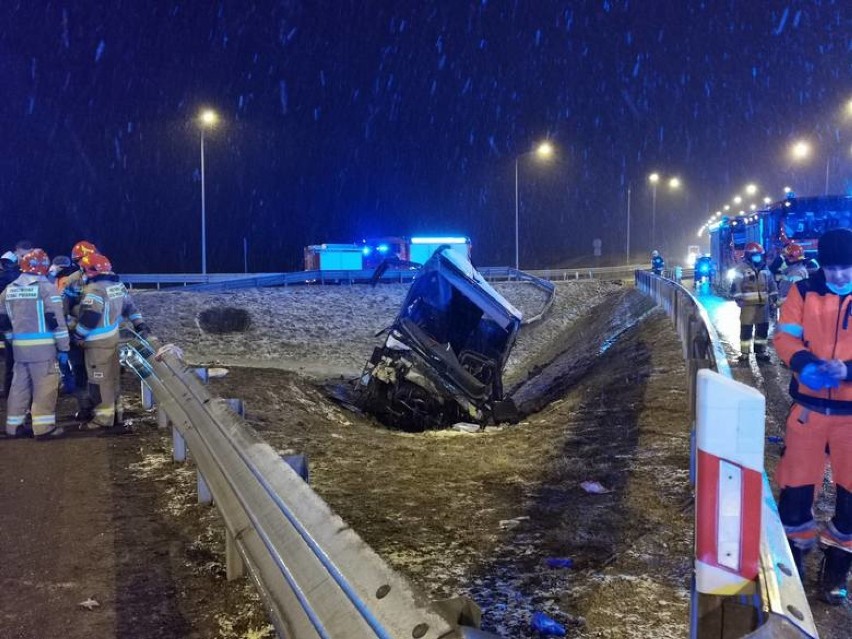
(35, 261)
(81, 249)
(793, 253)
(753, 248)
(95, 264)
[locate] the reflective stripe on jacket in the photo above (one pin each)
(105, 303)
(814, 326)
(31, 317)
(753, 287)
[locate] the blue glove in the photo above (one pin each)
(62, 358)
(814, 377)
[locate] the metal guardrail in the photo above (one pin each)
(317, 576)
(783, 606)
(227, 281)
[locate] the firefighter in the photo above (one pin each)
(796, 271)
(755, 293)
(814, 337)
(31, 315)
(72, 286)
(61, 268)
(658, 264)
(105, 303)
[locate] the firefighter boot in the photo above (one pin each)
(834, 574)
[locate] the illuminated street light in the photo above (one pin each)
(751, 189)
(753, 207)
(207, 119)
(654, 179)
(767, 200)
(737, 199)
(727, 207)
(787, 190)
(800, 150)
(544, 151)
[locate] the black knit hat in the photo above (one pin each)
(835, 248)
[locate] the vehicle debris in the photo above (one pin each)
(443, 358)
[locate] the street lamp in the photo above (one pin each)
(801, 151)
(543, 151)
(654, 178)
(207, 119)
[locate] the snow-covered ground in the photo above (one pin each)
(331, 330)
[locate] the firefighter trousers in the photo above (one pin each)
(78, 366)
(761, 336)
(103, 372)
(35, 386)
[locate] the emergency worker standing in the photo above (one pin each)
(814, 337)
(796, 271)
(658, 264)
(72, 288)
(754, 292)
(31, 316)
(105, 304)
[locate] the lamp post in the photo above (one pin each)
(654, 178)
(543, 151)
(207, 119)
(627, 260)
(801, 151)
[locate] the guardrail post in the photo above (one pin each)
(237, 406)
(204, 494)
(147, 396)
(298, 463)
(178, 445)
(234, 565)
(728, 502)
(163, 420)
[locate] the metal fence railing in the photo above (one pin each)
(780, 608)
(227, 281)
(318, 578)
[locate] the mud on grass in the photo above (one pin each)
(479, 514)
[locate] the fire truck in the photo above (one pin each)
(794, 219)
(371, 253)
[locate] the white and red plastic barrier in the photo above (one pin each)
(730, 419)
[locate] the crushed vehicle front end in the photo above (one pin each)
(442, 361)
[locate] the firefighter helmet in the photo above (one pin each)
(95, 264)
(36, 262)
(655, 253)
(81, 249)
(753, 248)
(793, 253)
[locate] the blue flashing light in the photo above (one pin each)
(367, 250)
(704, 268)
(439, 240)
(382, 248)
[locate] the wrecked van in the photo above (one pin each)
(443, 358)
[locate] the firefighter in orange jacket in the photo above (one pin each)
(105, 304)
(31, 316)
(814, 337)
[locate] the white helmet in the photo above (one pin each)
(655, 253)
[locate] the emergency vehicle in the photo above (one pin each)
(799, 219)
(371, 253)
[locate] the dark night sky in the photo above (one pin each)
(347, 119)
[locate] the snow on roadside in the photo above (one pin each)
(331, 330)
